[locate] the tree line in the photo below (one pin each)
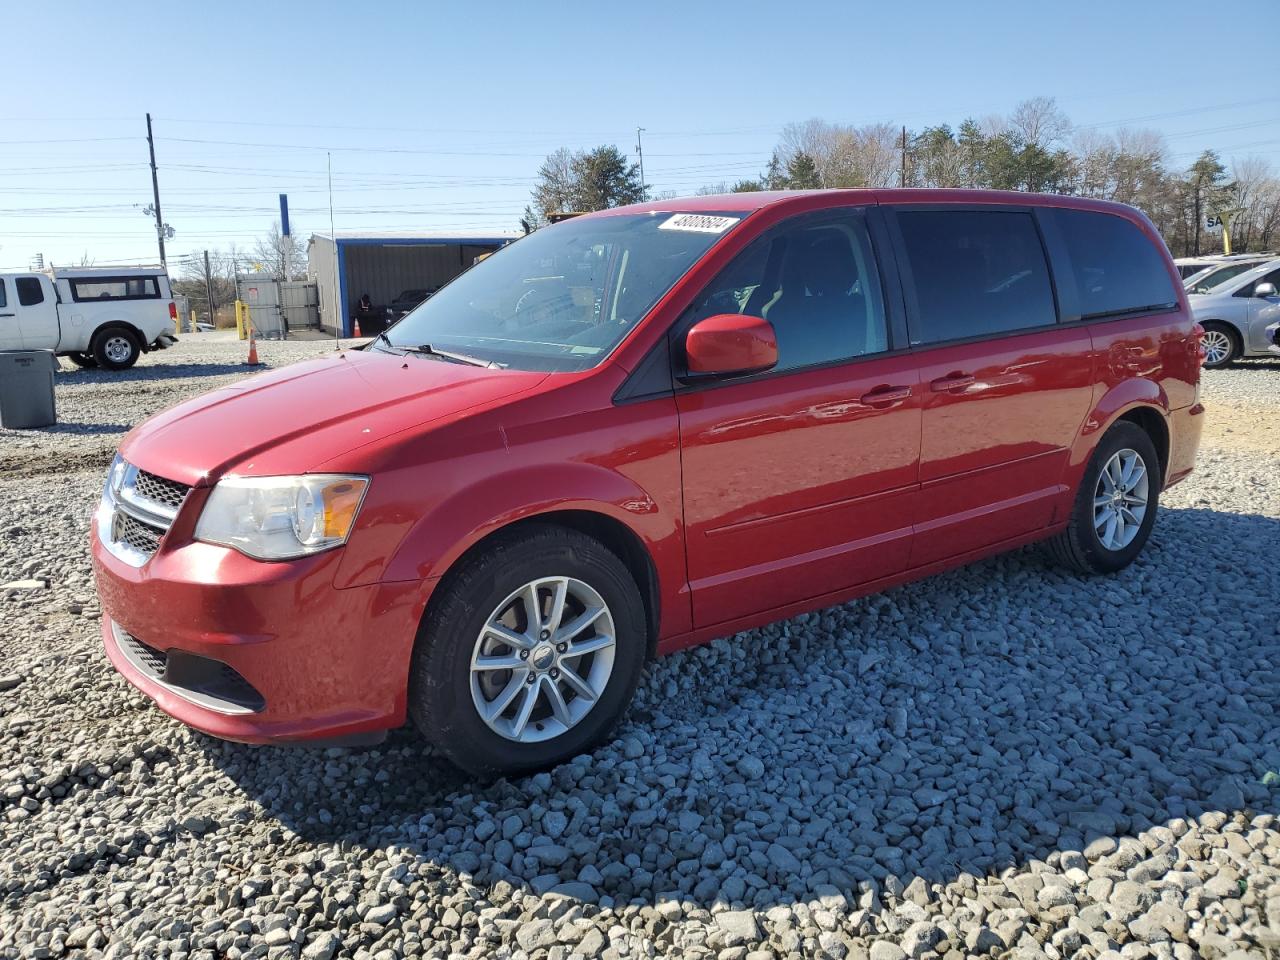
(1035, 148)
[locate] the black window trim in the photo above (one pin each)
(1067, 270)
(75, 294)
(4, 298)
(908, 282)
(886, 270)
(17, 290)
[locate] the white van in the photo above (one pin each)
(98, 317)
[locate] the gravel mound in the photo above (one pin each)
(1006, 760)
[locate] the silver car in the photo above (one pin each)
(1236, 314)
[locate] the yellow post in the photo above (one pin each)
(192, 320)
(1226, 234)
(241, 330)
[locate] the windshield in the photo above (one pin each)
(564, 296)
(1215, 278)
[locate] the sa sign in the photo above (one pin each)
(1213, 223)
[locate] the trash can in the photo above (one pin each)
(26, 388)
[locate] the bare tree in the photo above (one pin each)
(1039, 123)
(279, 255)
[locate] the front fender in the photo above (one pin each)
(454, 525)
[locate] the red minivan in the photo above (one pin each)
(634, 431)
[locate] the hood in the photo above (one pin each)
(294, 419)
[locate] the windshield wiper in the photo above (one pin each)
(429, 350)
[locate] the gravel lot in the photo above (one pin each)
(1005, 760)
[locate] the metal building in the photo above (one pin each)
(384, 264)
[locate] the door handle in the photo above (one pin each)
(6, 314)
(951, 383)
(885, 396)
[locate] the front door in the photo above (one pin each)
(1263, 311)
(10, 333)
(800, 482)
(1005, 387)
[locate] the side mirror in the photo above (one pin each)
(1265, 290)
(730, 343)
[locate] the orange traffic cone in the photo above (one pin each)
(355, 328)
(253, 349)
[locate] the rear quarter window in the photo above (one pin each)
(29, 290)
(1117, 268)
(4, 301)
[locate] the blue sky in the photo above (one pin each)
(437, 116)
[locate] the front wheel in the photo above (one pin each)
(529, 654)
(84, 360)
(1115, 507)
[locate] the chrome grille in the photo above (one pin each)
(136, 512)
(159, 490)
(136, 534)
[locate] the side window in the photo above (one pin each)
(115, 288)
(1118, 270)
(29, 291)
(817, 284)
(1247, 290)
(975, 272)
(4, 301)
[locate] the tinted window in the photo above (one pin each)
(29, 291)
(1220, 276)
(816, 283)
(1117, 269)
(115, 288)
(4, 301)
(1247, 290)
(975, 272)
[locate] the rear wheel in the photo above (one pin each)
(1221, 344)
(1115, 507)
(529, 654)
(115, 348)
(85, 360)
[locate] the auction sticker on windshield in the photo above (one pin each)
(698, 223)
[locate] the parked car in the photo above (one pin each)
(1211, 279)
(1191, 266)
(96, 317)
(1235, 316)
(406, 300)
(717, 412)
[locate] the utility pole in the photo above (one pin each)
(644, 187)
(208, 284)
(339, 309)
(902, 173)
(155, 190)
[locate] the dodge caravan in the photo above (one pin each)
(634, 431)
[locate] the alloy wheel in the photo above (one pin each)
(1217, 346)
(543, 659)
(1120, 499)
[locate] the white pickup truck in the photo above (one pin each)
(98, 317)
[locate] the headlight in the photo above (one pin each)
(115, 478)
(281, 518)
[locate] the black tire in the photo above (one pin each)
(1079, 546)
(440, 693)
(1234, 346)
(85, 360)
(109, 348)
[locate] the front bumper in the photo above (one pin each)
(317, 663)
